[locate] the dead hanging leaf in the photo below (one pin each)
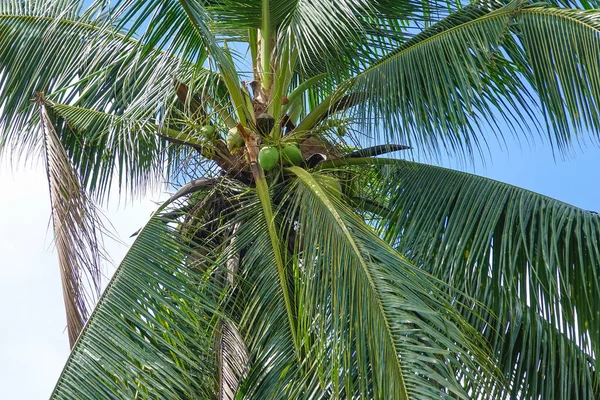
(76, 229)
(232, 359)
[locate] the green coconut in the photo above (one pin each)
(208, 131)
(268, 157)
(292, 154)
(234, 140)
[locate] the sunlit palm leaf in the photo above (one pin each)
(151, 334)
(371, 313)
(94, 74)
(532, 260)
(32, 39)
(561, 49)
(104, 146)
(182, 28)
(437, 89)
(273, 370)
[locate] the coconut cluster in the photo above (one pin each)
(234, 140)
(269, 156)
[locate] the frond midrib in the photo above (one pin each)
(67, 21)
(306, 179)
(496, 14)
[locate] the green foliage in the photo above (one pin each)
(345, 275)
(151, 335)
(523, 255)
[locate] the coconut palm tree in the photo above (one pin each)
(299, 256)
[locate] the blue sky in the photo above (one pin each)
(575, 180)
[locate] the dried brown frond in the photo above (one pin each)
(76, 226)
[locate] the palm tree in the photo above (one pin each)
(298, 259)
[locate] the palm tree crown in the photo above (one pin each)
(297, 259)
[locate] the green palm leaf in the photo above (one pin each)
(533, 261)
(103, 146)
(89, 76)
(565, 71)
(27, 66)
(261, 307)
(140, 154)
(163, 313)
(349, 272)
(101, 72)
(183, 29)
(437, 89)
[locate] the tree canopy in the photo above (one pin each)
(300, 257)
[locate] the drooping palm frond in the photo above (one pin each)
(438, 89)
(533, 261)
(166, 303)
(273, 371)
(563, 69)
(429, 89)
(102, 70)
(151, 334)
(174, 316)
(104, 146)
(95, 75)
(232, 359)
(106, 136)
(139, 153)
(182, 30)
(370, 319)
(32, 37)
(76, 229)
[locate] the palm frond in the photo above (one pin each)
(444, 86)
(76, 228)
(99, 72)
(169, 302)
(531, 260)
(33, 36)
(325, 32)
(232, 359)
(580, 4)
(561, 58)
(260, 307)
(340, 38)
(434, 89)
(103, 146)
(368, 312)
(139, 153)
(152, 333)
(182, 30)
(41, 8)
